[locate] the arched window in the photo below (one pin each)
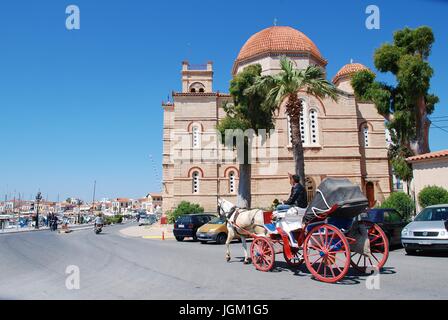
(197, 87)
(232, 186)
(365, 133)
(196, 136)
(313, 123)
(195, 177)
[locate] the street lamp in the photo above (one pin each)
(38, 199)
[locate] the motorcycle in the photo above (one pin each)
(98, 228)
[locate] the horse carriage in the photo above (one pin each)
(333, 239)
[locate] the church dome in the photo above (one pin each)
(278, 40)
(348, 70)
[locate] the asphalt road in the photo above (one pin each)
(112, 266)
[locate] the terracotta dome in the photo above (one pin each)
(348, 70)
(280, 40)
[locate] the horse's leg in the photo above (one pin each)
(230, 235)
(244, 243)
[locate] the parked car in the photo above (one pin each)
(147, 219)
(390, 220)
(186, 226)
(215, 230)
(428, 231)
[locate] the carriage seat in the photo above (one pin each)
(290, 226)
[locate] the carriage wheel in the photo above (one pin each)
(262, 254)
(297, 259)
(327, 253)
(379, 250)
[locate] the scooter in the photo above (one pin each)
(98, 228)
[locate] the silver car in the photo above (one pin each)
(428, 231)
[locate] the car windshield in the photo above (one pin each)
(433, 214)
(184, 219)
(217, 220)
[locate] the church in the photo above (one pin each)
(344, 138)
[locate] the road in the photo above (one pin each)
(113, 266)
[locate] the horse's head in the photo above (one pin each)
(225, 207)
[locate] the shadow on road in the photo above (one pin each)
(353, 276)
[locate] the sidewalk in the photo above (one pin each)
(73, 227)
(155, 231)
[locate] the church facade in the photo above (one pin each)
(344, 138)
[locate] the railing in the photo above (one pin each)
(197, 67)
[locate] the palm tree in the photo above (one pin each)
(284, 87)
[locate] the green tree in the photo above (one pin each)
(401, 202)
(406, 105)
(283, 88)
(245, 118)
(432, 195)
(184, 208)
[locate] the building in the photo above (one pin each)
(341, 139)
(429, 169)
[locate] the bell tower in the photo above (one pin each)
(197, 78)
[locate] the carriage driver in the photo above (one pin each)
(297, 197)
(297, 201)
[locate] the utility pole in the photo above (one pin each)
(38, 199)
(93, 199)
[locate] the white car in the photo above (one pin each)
(428, 231)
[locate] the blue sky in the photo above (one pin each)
(84, 105)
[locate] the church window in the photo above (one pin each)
(314, 132)
(195, 181)
(365, 132)
(196, 135)
(232, 182)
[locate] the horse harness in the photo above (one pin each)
(235, 212)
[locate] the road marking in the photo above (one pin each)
(157, 237)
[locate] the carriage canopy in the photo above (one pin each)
(348, 196)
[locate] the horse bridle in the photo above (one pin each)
(227, 215)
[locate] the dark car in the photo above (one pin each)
(186, 226)
(390, 220)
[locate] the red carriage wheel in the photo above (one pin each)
(262, 253)
(327, 253)
(297, 258)
(379, 250)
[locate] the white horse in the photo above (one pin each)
(241, 222)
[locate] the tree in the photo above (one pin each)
(184, 208)
(432, 195)
(284, 87)
(401, 202)
(406, 105)
(247, 112)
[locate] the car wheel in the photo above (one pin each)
(221, 238)
(411, 252)
(180, 238)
